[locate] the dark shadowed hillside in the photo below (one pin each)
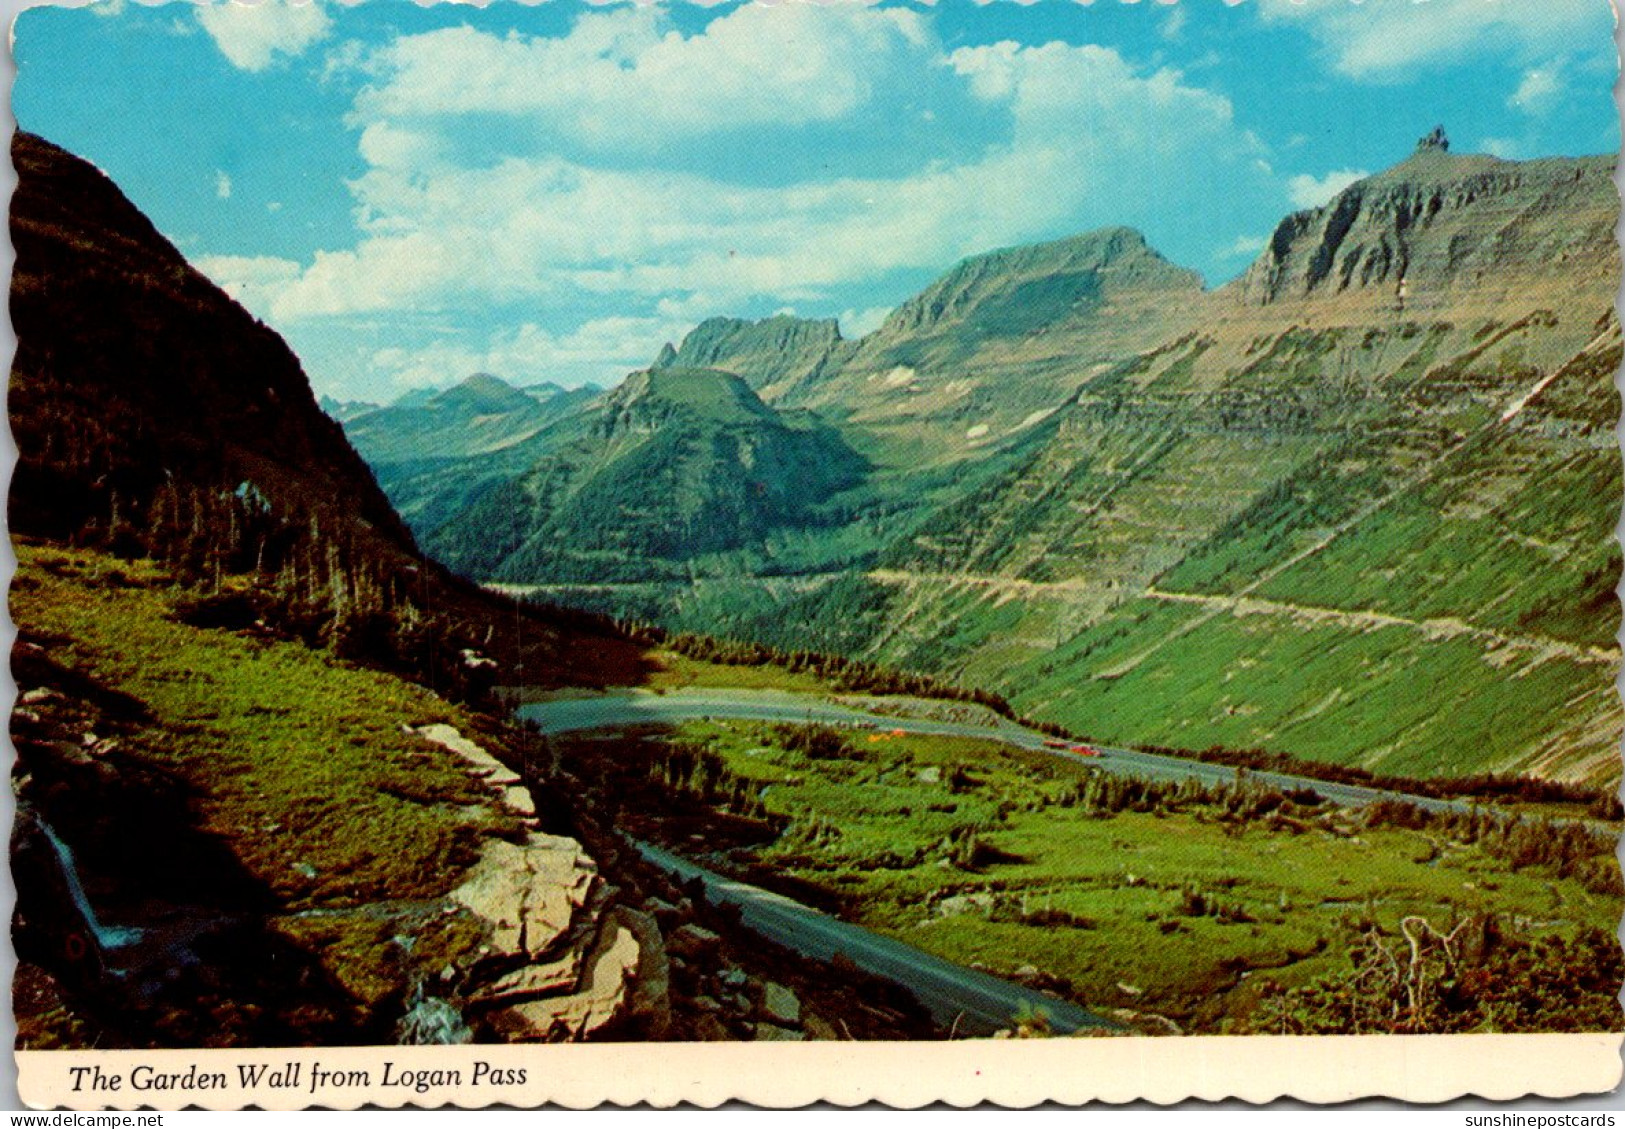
(153, 415)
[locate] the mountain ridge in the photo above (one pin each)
(1064, 506)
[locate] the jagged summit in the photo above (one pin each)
(1436, 141)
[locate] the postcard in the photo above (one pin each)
(1016, 553)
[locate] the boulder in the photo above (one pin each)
(531, 981)
(780, 1005)
(609, 971)
(528, 893)
(693, 939)
(769, 1033)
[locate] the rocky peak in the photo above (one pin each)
(1059, 278)
(762, 352)
(1436, 141)
(1444, 222)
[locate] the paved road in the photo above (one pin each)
(972, 1002)
(640, 707)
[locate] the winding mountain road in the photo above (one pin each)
(971, 1002)
(968, 1001)
(627, 709)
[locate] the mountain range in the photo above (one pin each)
(1262, 515)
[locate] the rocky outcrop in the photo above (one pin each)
(604, 989)
(529, 893)
(483, 766)
(559, 961)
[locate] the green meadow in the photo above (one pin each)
(1208, 906)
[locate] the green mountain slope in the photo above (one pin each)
(1340, 521)
(433, 455)
(1258, 515)
(678, 463)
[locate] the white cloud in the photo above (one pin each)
(222, 185)
(1084, 139)
(1504, 147)
(1306, 191)
(597, 352)
(1084, 123)
(859, 323)
(1540, 90)
(252, 35)
(252, 280)
(619, 81)
(1247, 246)
(1382, 38)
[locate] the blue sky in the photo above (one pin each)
(550, 192)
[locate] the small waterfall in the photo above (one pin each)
(107, 936)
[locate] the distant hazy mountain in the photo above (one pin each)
(478, 416)
(343, 410)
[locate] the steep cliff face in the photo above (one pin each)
(1439, 225)
(763, 353)
(134, 372)
(155, 416)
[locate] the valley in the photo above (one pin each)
(1133, 657)
(1253, 516)
(1165, 899)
